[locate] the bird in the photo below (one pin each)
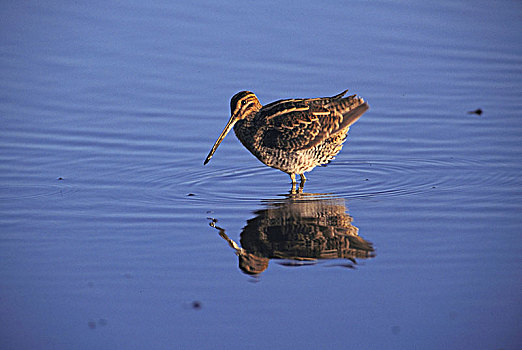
(292, 135)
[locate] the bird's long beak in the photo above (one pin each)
(224, 133)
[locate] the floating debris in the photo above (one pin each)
(477, 111)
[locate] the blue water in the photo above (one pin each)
(108, 218)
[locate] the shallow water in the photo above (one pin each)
(114, 235)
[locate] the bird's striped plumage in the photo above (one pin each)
(293, 135)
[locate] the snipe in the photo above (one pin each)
(293, 135)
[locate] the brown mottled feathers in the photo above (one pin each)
(299, 124)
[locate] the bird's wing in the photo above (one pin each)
(299, 124)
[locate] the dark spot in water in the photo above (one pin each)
(60, 178)
(366, 179)
(477, 111)
(91, 324)
(433, 187)
(196, 305)
(191, 194)
(396, 330)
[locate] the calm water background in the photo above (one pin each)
(109, 108)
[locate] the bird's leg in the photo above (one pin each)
(294, 184)
(303, 180)
(292, 177)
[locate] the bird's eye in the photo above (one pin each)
(243, 102)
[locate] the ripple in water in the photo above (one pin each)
(414, 176)
(355, 179)
(14, 192)
(180, 182)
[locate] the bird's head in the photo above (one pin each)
(242, 105)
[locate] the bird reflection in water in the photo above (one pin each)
(299, 229)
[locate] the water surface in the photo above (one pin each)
(114, 235)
